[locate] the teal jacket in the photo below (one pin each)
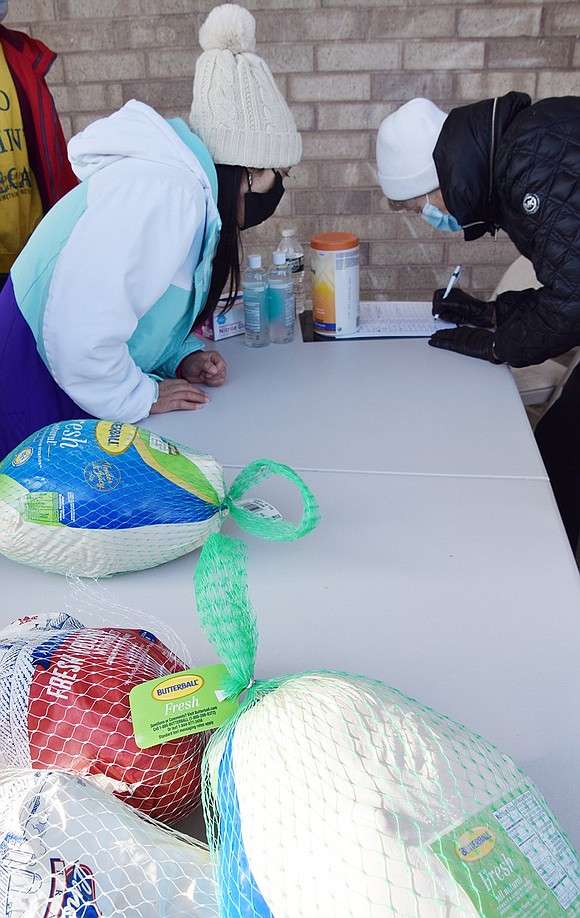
(114, 276)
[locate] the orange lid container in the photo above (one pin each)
(333, 242)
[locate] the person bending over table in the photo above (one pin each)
(507, 164)
(97, 316)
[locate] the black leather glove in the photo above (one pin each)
(462, 308)
(473, 342)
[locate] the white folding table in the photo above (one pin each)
(440, 564)
(388, 405)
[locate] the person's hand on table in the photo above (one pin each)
(472, 342)
(178, 395)
(463, 309)
(207, 367)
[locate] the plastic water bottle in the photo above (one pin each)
(256, 317)
(295, 261)
(280, 300)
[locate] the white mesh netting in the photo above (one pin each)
(64, 703)
(70, 850)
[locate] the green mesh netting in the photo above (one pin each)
(95, 498)
(277, 529)
(331, 795)
(221, 583)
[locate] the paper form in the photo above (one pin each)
(383, 319)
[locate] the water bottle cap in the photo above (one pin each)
(288, 232)
(254, 261)
(279, 258)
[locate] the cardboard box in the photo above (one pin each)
(224, 325)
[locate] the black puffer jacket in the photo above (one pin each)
(504, 163)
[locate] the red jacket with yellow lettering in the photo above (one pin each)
(29, 60)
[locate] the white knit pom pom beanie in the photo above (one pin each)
(405, 144)
(237, 110)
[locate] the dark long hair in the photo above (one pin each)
(226, 263)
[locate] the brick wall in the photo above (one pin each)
(343, 65)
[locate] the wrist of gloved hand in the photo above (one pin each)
(462, 308)
(472, 342)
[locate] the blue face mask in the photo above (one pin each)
(436, 218)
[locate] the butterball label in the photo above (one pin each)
(474, 844)
(114, 437)
(177, 687)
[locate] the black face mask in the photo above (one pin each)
(258, 206)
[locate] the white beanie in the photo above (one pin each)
(237, 110)
(405, 145)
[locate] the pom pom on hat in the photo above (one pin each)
(237, 110)
(405, 144)
(229, 28)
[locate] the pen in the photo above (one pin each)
(452, 281)
(450, 285)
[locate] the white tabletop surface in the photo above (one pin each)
(388, 405)
(440, 564)
(461, 593)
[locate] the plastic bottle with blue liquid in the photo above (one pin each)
(280, 300)
(255, 294)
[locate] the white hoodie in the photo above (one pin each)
(115, 275)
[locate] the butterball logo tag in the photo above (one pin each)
(23, 456)
(114, 437)
(531, 203)
(475, 844)
(177, 686)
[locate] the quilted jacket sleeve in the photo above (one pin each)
(538, 185)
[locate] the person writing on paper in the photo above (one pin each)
(505, 164)
(96, 318)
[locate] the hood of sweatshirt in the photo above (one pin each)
(135, 131)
